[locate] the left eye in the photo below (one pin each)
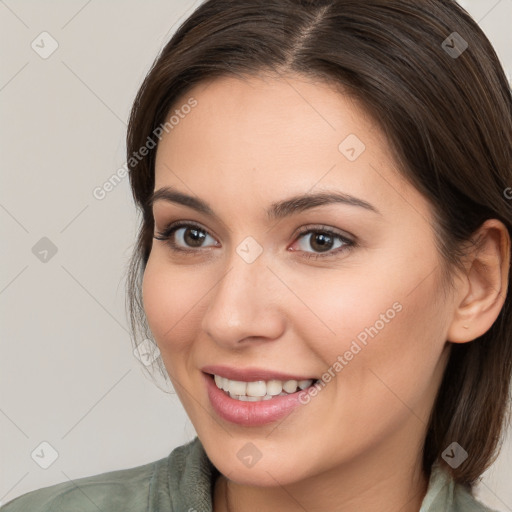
(323, 241)
(186, 237)
(191, 236)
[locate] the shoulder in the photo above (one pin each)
(177, 482)
(466, 502)
(446, 495)
(125, 489)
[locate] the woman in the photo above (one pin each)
(323, 260)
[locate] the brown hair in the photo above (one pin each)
(446, 112)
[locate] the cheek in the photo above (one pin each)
(343, 307)
(389, 325)
(171, 300)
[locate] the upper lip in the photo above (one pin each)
(251, 374)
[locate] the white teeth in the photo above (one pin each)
(303, 384)
(218, 381)
(244, 398)
(259, 390)
(274, 387)
(236, 387)
(290, 386)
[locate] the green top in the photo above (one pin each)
(183, 481)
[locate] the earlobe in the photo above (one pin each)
(484, 287)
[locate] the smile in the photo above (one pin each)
(259, 390)
(251, 411)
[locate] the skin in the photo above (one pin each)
(357, 444)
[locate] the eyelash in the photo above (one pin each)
(166, 236)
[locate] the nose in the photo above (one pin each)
(245, 304)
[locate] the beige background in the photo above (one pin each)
(67, 373)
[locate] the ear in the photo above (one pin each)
(483, 288)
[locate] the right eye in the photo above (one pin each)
(188, 236)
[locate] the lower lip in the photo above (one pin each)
(250, 414)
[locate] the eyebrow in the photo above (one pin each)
(277, 210)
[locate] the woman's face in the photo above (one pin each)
(276, 288)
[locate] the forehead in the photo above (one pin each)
(280, 114)
(264, 136)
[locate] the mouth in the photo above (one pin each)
(259, 390)
(251, 403)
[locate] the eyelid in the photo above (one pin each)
(349, 241)
(168, 226)
(168, 231)
(326, 229)
(301, 231)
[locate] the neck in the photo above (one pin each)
(395, 485)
